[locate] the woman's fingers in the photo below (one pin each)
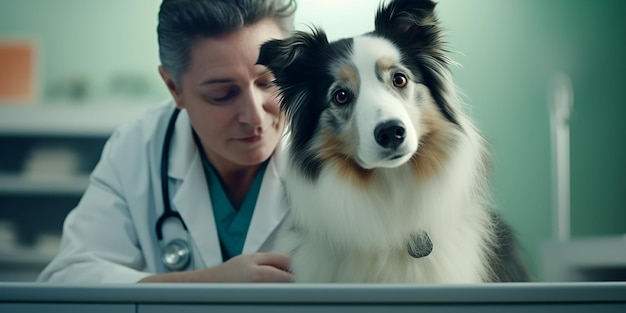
(275, 259)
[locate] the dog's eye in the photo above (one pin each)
(400, 80)
(341, 96)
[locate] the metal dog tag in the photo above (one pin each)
(419, 245)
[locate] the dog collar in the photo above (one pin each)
(419, 245)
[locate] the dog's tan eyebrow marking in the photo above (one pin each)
(348, 75)
(384, 64)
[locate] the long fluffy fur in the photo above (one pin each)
(357, 203)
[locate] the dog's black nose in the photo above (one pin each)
(390, 134)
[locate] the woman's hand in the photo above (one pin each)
(263, 267)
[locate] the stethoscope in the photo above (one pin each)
(176, 253)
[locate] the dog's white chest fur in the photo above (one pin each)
(353, 235)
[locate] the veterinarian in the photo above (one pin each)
(190, 192)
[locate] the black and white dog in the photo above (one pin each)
(387, 177)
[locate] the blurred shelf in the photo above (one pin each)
(18, 184)
(585, 259)
(23, 264)
(25, 257)
(48, 153)
(66, 120)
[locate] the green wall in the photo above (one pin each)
(508, 50)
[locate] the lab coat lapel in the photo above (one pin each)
(192, 197)
(271, 207)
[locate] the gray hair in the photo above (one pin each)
(183, 21)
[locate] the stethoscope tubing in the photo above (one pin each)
(165, 190)
(180, 249)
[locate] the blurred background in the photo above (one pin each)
(71, 71)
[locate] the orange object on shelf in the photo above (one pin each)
(17, 72)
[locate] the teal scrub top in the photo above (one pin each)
(232, 224)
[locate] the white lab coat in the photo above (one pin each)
(110, 236)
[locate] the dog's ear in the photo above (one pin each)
(293, 61)
(410, 23)
(290, 56)
(278, 54)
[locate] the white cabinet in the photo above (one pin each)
(46, 155)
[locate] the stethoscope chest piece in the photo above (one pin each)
(176, 255)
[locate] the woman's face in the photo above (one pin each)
(231, 102)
